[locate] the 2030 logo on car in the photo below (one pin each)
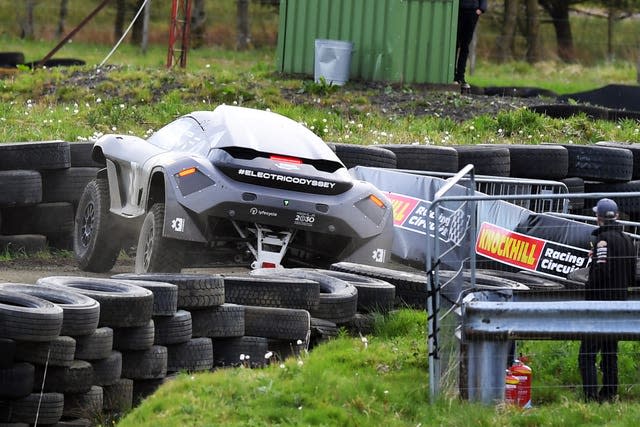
(304, 218)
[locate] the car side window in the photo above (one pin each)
(183, 134)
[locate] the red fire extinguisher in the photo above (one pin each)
(511, 388)
(524, 375)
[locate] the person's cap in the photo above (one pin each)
(606, 208)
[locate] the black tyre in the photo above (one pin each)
(628, 205)
(16, 381)
(283, 349)
(143, 388)
(635, 151)
(42, 218)
(246, 351)
(23, 243)
(321, 331)
(107, 371)
(600, 163)
(365, 155)
(96, 346)
(75, 378)
(118, 397)
(46, 408)
(35, 155)
(156, 253)
(122, 305)
(279, 323)
(286, 292)
(487, 159)
(28, 318)
(165, 295)
(20, 187)
(373, 294)
(95, 239)
(66, 185)
(411, 288)
(145, 364)
(195, 291)
(574, 185)
(191, 356)
(134, 338)
(174, 329)
(538, 161)
(11, 59)
(80, 312)
(57, 352)
(338, 301)
(81, 155)
(424, 157)
(84, 405)
(7, 352)
(224, 321)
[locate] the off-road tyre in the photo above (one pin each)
(174, 329)
(81, 155)
(145, 364)
(28, 318)
(75, 378)
(16, 380)
(574, 185)
(122, 305)
(165, 296)
(431, 158)
(84, 405)
(66, 185)
(57, 352)
(46, 408)
(365, 155)
(42, 218)
(26, 244)
(223, 321)
(96, 242)
(600, 163)
(195, 291)
(246, 351)
(286, 292)
(118, 397)
(191, 356)
(373, 294)
(20, 187)
(156, 253)
(635, 151)
(107, 371)
(81, 313)
(7, 352)
(486, 159)
(538, 161)
(627, 205)
(134, 338)
(96, 346)
(279, 323)
(35, 155)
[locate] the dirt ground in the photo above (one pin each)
(30, 269)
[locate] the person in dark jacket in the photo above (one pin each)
(468, 13)
(611, 272)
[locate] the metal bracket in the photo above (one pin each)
(270, 245)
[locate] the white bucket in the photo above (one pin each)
(332, 61)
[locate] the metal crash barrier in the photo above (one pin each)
(489, 327)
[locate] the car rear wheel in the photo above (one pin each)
(156, 253)
(95, 244)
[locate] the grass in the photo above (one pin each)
(354, 381)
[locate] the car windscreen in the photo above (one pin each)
(183, 134)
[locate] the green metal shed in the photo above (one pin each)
(401, 41)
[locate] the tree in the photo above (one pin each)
(244, 32)
(198, 23)
(533, 30)
(559, 12)
(27, 25)
(506, 40)
(64, 4)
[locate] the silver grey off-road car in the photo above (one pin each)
(233, 185)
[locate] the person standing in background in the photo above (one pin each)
(468, 13)
(611, 272)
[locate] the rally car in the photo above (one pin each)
(229, 185)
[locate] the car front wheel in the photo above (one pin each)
(95, 241)
(156, 253)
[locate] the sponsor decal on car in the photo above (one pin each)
(178, 224)
(305, 218)
(379, 255)
(270, 176)
(529, 253)
(261, 212)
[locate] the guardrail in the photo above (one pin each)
(489, 327)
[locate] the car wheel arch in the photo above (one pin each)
(156, 193)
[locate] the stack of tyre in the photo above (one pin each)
(602, 167)
(41, 183)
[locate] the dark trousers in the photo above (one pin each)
(608, 349)
(467, 20)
